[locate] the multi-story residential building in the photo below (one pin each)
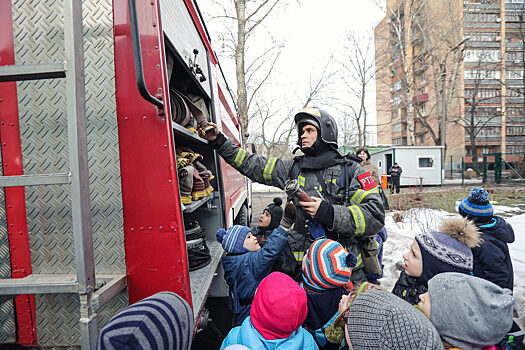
(453, 70)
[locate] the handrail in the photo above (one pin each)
(137, 57)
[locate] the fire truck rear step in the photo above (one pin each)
(35, 180)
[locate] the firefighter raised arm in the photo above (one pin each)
(346, 201)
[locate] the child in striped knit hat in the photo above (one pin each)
(327, 267)
(246, 263)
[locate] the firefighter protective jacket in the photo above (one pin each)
(363, 216)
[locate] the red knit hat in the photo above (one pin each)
(279, 307)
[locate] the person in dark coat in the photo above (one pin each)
(432, 253)
(246, 263)
(492, 258)
(395, 173)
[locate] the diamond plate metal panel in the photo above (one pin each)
(7, 311)
(39, 39)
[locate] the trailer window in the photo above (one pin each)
(425, 162)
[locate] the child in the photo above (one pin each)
(491, 259)
(468, 312)
(161, 321)
(436, 252)
(377, 319)
(269, 220)
(278, 310)
(327, 267)
(246, 263)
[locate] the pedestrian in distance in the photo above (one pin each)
(342, 203)
(246, 263)
(395, 175)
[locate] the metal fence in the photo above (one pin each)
(503, 167)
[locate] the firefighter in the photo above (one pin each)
(348, 208)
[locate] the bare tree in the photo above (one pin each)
(242, 19)
(358, 71)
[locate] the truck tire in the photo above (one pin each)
(242, 217)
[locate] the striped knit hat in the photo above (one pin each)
(477, 207)
(327, 265)
(232, 240)
(162, 321)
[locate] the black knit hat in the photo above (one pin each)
(276, 212)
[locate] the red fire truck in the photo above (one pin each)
(91, 219)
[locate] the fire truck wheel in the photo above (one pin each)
(242, 217)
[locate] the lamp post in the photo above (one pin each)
(444, 117)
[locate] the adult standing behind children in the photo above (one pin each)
(395, 174)
(351, 207)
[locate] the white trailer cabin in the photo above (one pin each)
(416, 161)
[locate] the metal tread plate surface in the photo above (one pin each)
(203, 277)
(39, 38)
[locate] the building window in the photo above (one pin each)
(514, 91)
(515, 130)
(514, 74)
(481, 17)
(489, 132)
(515, 148)
(395, 113)
(482, 93)
(483, 36)
(396, 100)
(515, 56)
(396, 127)
(425, 162)
(396, 86)
(481, 74)
(514, 16)
(482, 56)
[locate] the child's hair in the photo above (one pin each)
(448, 250)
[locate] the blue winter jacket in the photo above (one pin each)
(492, 259)
(244, 271)
(247, 335)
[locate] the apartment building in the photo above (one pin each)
(452, 70)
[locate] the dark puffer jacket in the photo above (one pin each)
(492, 259)
(408, 289)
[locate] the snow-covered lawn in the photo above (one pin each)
(414, 221)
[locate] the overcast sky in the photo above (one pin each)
(312, 30)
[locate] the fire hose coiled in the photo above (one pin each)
(198, 252)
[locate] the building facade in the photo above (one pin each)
(451, 73)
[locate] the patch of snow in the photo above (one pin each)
(502, 209)
(415, 221)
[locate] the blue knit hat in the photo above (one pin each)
(448, 250)
(327, 265)
(477, 207)
(162, 321)
(232, 240)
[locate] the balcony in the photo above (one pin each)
(420, 98)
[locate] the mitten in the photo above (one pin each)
(289, 215)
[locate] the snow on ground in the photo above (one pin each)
(415, 221)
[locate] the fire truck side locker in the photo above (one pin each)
(133, 195)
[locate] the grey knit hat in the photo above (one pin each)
(161, 321)
(380, 320)
(469, 312)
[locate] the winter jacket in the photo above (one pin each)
(321, 307)
(372, 169)
(408, 289)
(244, 271)
(362, 218)
(395, 173)
(492, 259)
(248, 336)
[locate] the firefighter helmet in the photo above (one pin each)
(323, 121)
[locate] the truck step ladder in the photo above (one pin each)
(84, 282)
